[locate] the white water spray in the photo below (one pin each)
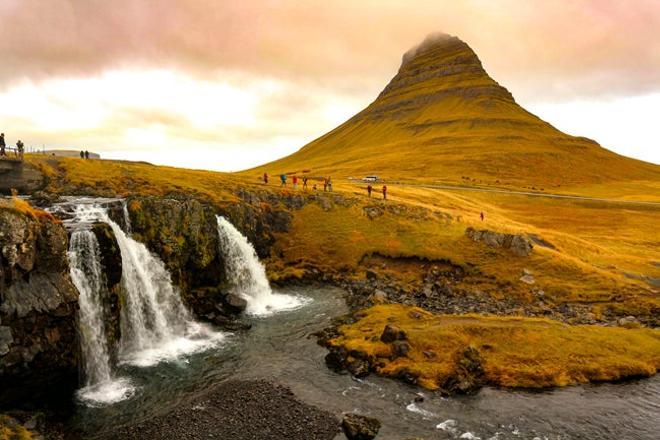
(101, 388)
(248, 275)
(155, 324)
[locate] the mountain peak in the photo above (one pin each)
(442, 118)
(438, 41)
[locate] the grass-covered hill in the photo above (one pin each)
(443, 119)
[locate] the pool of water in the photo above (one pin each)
(280, 348)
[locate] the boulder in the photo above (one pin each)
(379, 297)
(393, 333)
(359, 427)
(628, 322)
(235, 302)
(518, 244)
(400, 349)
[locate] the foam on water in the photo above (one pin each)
(106, 393)
(248, 275)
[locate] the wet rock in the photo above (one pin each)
(336, 358)
(44, 199)
(392, 333)
(358, 367)
(110, 253)
(469, 374)
(235, 303)
(359, 427)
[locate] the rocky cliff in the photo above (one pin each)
(38, 307)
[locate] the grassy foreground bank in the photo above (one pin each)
(514, 352)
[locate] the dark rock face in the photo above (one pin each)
(518, 244)
(20, 176)
(112, 270)
(38, 308)
(359, 427)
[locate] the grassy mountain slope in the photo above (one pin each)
(443, 119)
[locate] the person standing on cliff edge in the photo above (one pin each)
(2, 145)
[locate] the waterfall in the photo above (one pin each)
(248, 276)
(85, 265)
(155, 324)
(127, 218)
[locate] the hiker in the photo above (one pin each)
(482, 216)
(2, 145)
(295, 182)
(305, 182)
(369, 189)
(314, 187)
(82, 154)
(325, 184)
(384, 192)
(265, 178)
(19, 149)
(283, 179)
(330, 184)
(86, 154)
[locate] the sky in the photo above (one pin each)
(228, 85)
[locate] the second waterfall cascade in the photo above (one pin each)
(247, 274)
(155, 324)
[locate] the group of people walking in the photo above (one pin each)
(327, 182)
(371, 188)
(20, 147)
(84, 154)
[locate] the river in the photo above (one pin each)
(281, 347)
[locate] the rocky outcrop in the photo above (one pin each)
(184, 234)
(20, 176)
(359, 427)
(38, 307)
(518, 244)
(112, 269)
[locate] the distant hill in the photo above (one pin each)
(442, 118)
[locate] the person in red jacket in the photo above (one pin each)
(295, 182)
(384, 192)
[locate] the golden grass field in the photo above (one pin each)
(516, 352)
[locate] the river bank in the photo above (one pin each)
(238, 410)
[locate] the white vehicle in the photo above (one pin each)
(370, 179)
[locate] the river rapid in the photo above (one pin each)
(281, 348)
